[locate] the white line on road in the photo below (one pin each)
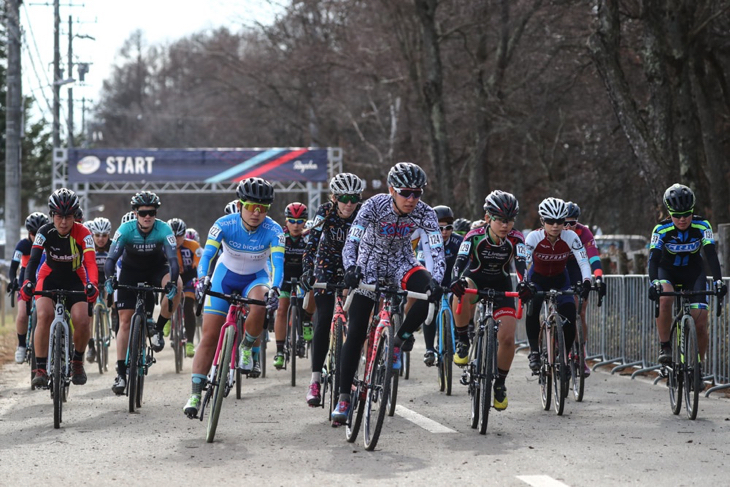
(541, 481)
(422, 421)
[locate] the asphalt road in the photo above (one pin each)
(622, 434)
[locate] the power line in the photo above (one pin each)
(32, 61)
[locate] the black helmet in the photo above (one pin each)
(35, 221)
(255, 189)
(79, 214)
(406, 175)
(678, 198)
(63, 202)
(501, 204)
(573, 210)
(461, 225)
(178, 226)
(444, 213)
(145, 198)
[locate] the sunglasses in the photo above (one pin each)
(407, 193)
(570, 223)
(686, 214)
(252, 207)
(505, 221)
(554, 221)
(296, 221)
(101, 235)
(144, 213)
(349, 198)
(446, 228)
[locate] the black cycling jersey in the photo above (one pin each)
(679, 251)
(294, 248)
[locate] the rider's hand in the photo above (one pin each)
(13, 286)
(306, 280)
(91, 292)
(654, 290)
(109, 285)
(601, 287)
(171, 290)
(525, 290)
(458, 286)
(201, 286)
(272, 299)
(352, 277)
(585, 289)
(720, 289)
(26, 292)
(434, 291)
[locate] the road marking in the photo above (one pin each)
(428, 424)
(541, 481)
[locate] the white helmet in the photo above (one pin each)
(102, 225)
(477, 224)
(231, 207)
(346, 183)
(128, 217)
(553, 208)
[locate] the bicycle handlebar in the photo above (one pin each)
(322, 285)
(236, 298)
(145, 288)
(53, 293)
(491, 295)
(394, 291)
(688, 294)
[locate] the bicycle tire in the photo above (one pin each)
(221, 378)
(31, 349)
(691, 368)
(57, 376)
(334, 372)
(236, 352)
(578, 362)
(146, 355)
(393, 394)
(357, 403)
(176, 334)
(97, 339)
(474, 379)
(379, 388)
(675, 378)
(106, 338)
(293, 319)
(560, 369)
(406, 365)
(544, 375)
(133, 361)
(448, 353)
(486, 375)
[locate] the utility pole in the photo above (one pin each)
(13, 121)
(56, 75)
(70, 87)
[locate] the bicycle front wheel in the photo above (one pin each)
(473, 365)
(578, 362)
(58, 380)
(486, 372)
(445, 349)
(544, 376)
(106, 338)
(675, 377)
(176, 338)
(691, 368)
(219, 383)
(379, 387)
(294, 320)
(134, 359)
(98, 338)
(560, 369)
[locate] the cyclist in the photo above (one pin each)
(675, 261)
(249, 239)
(100, 229)
(548, 249)
(594, 259)
(147, 248)
(379, 246)
(452, 243)
(483, 263)
(188, 257)
(323, 262)
(231, 207)
(462, 226)
(70, 264)
(296, 214)
(33, 222)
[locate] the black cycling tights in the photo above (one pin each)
(532, 322)
(189, 318)
(321, 336)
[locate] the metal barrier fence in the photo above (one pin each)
(623, 332)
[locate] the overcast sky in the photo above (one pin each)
(110, 23)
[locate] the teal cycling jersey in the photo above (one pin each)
(245, 252)
(144, 251)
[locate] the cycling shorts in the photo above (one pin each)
(688, 280)
(69, 282)
(126, 298)
(502, 306)
(225, 281)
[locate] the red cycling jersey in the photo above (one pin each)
(549, 259)
(65, 254)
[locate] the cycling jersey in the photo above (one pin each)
(66, 255)
(480, 257)
(379, 241)
(451, 249)
(326, 240)
(188, 257)
(101, 255)
(679, 251)
(294, 248)
(589, 243)
(140, 251)
(20, 259)
(549, 259)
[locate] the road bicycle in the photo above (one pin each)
(372, 382)
(220, 379)
(577, 354)
(294, 345)
(139, 358)
(481, 370)
(102, 333)
(445, 344)
(685, 369)
(60, 349)
(178, 338)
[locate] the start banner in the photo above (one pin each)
(200, 165)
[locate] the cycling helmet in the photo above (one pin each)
(35, 221)
(128, 217)
(461, 225)
(553, 208)
(192, 234)
(444, 213)
(178, 226)
(346, 183)
(231, 207)
(255, 189)
(678, 198)
(63, 202)
(89, 224)
(296, 210)
(145, 198)
(573, 210)
(79, 215)
(406, 175)
(477, 224)
(101, 225)
(501, 204)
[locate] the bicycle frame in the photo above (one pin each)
(440, 325)
(234, 311)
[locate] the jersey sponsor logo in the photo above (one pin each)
(89, 242)
(215, 230)
(356, 232)
(521, 251)
(550, 257)
(464, 248)
(685, 247)
(254, 246)
(390, 229)
(39, 240)
(337, 234)
(434, 240)
(171, 240)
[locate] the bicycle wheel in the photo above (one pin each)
(293, 321)
(379, 387)
(675, 378)
(560, 368)
(98, 337)
(262, 350)
(57, 376)
(445, 348)
(578, 363)
(103, 355)
(486, 373)
(544, 374)
(691, 368)
(357, 400)
(31, 350)
(176, 339)
(236, 351)
(133, 360)
(474, 360)
(145, 355)
(406, 365)
(334, 372)
(221, 378)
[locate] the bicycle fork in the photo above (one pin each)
(57, 321)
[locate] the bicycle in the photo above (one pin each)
(577, 355)
(481, 370)
(685, 369)
(30, 347)
(139, 359)
(372, 391)
(177, 335)
(102, 333)
(60, 350)
(445, 344)
(294, 345)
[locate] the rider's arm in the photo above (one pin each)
(708, 244)
(576, 246)
(433, 247)
(462, 257)
(533, 238)
(15, 263)
(594, 258)
(520, 258)
(655, 253)
(88, 272)
(315, 233)
(115, 251)
(212, 244)
(277, 244)
(357, 230)
(169, 247)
